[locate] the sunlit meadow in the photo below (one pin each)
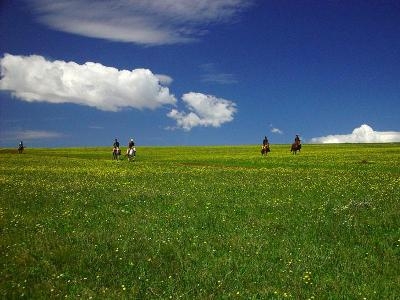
(201, 223)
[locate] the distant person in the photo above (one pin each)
(20, 147)
(116, 150)
(131, 144)
(116, 143)
(265, 141)
(297, 140)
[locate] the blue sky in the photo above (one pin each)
(211, 72)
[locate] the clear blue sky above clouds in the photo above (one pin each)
(206, 72)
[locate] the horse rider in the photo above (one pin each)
(20, 147)
(116, 144)
(131, 144)
(265, 141)
(265, 145)
(297, 140)
(131, 151)
(116, 150)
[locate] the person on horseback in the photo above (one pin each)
(20, 147)
(296, 146)
(116, 144)
(297, 140)
(265, 146)
(265, 141)
(131, 151)
(131, 144)
(116, 150)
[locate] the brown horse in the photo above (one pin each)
(265, 149)
(295, 147)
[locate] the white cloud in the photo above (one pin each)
(96, 127)
(204, 110)
(212, 75)
(33, 78)
(30, 135)
(152, 22)
(164, 79)
(220, 78)
(276, 130)
(362, 134)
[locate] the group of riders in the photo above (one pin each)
(130, 152)
(296, 146)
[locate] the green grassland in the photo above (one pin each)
(201, 223)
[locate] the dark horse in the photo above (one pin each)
(265, 149)
(20, 148)
(295, 147)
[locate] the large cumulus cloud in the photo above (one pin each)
(33, 78)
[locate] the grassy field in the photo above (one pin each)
(201, 223)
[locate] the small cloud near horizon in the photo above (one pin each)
(31, 135)
(362, 134)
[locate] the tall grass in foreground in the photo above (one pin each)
(201, 223)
